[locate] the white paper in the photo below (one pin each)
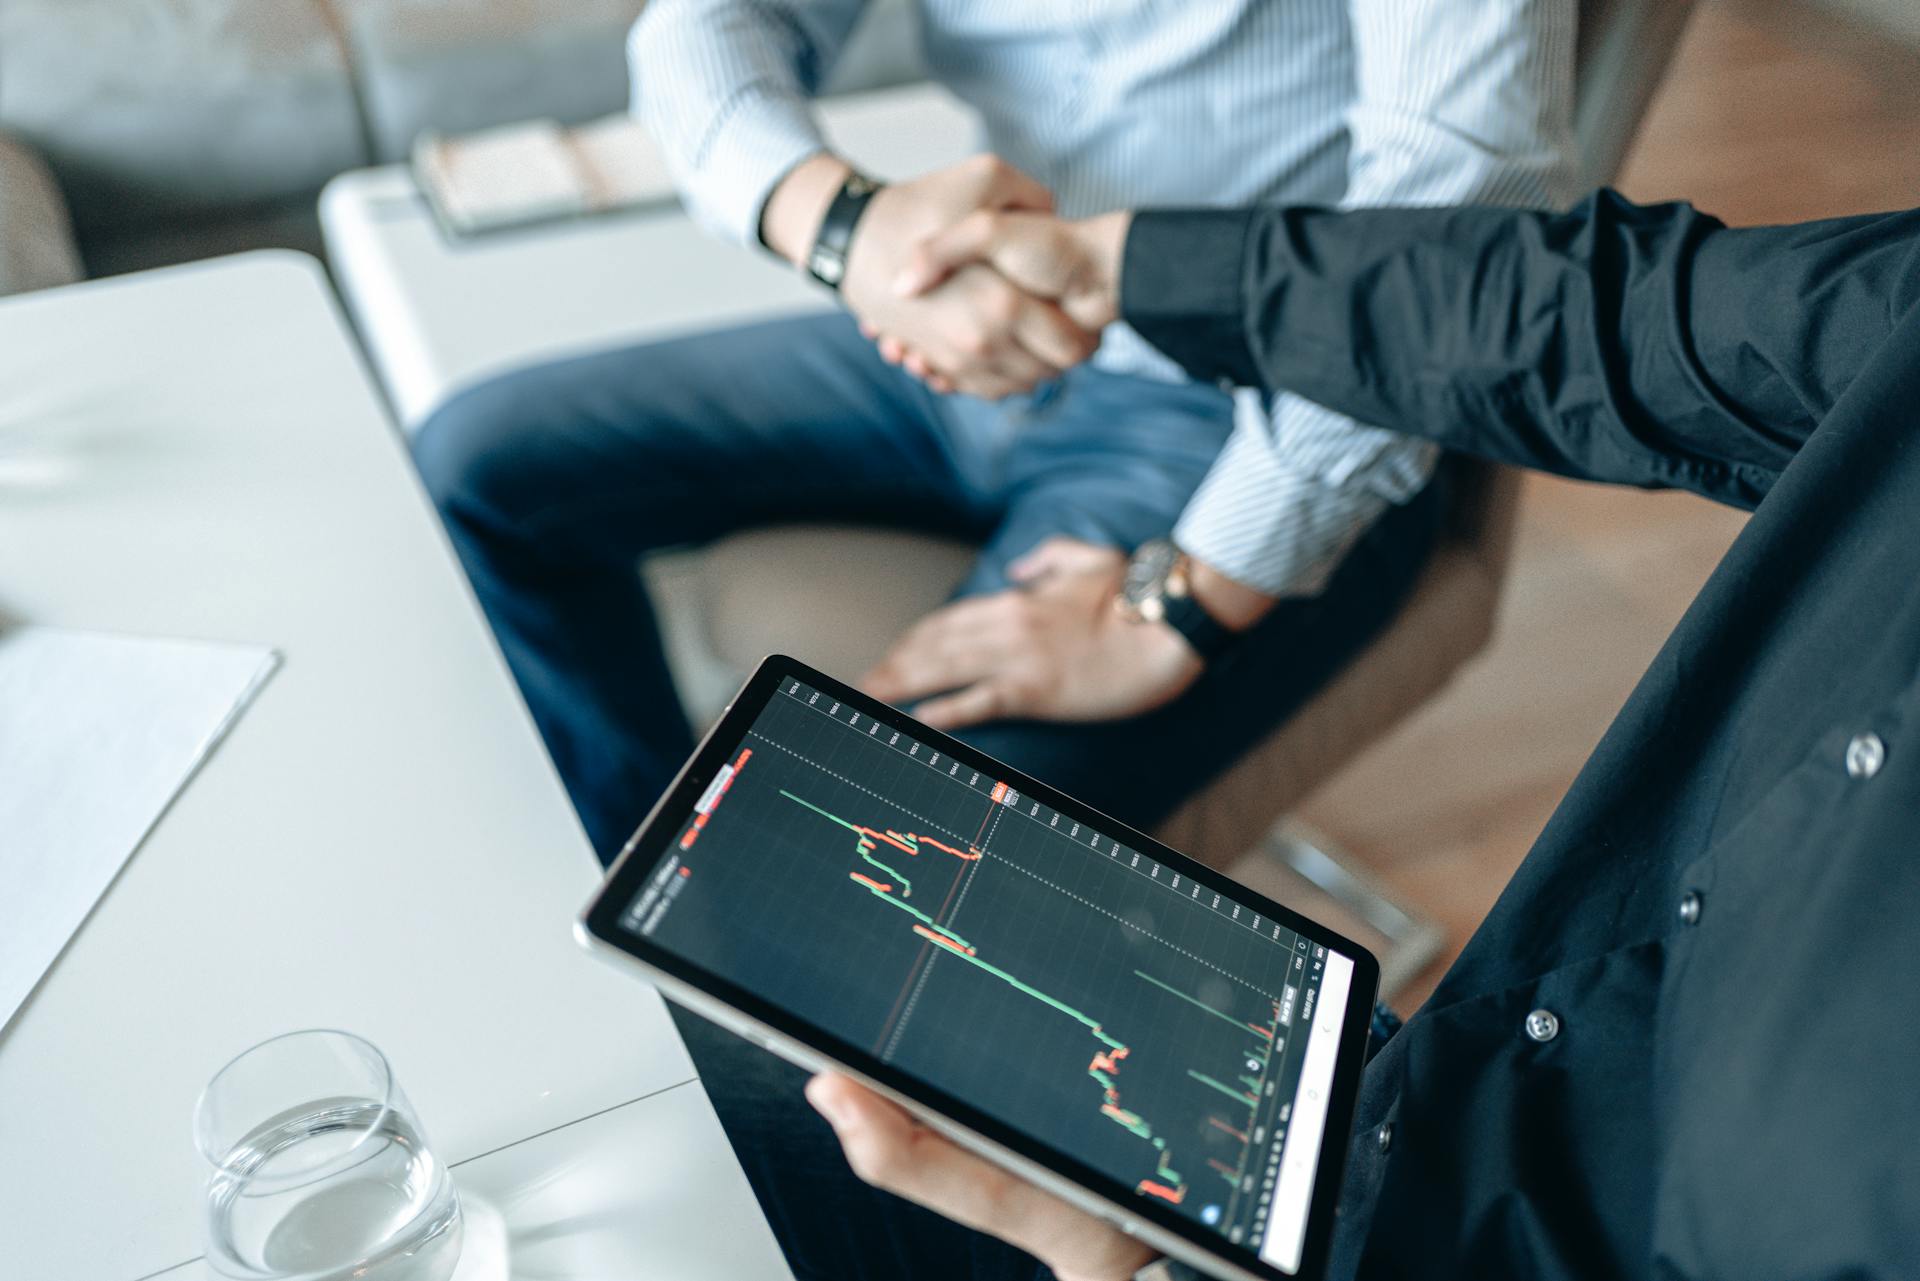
(98, 734)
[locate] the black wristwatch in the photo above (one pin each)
(1157, 590)
(827, 260)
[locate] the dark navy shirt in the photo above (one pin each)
(1686, 1041)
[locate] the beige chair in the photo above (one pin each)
(836, 596)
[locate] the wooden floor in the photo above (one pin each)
(1771, 113)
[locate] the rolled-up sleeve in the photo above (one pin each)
(1456, 104)
(724, 87)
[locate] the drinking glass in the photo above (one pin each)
(320, 1169)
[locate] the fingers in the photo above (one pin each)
(895, 352)
(971, 240)
(974, 705)
(1042, 255)
(1051, 337)
(920, 367)
(998, 341)
(947, 649)
(1060, 555)
(1006, 187)
(1014, 370)
(888, 1149)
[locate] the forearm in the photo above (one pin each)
(1451, 105)
(790, 220)
(1647, 346)
(724, 86)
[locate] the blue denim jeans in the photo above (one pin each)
(552, 481)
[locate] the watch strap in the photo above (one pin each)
(1201, 630)
(827, 260)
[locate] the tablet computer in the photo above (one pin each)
(1107, 1018)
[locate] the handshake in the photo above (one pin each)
(964, 276)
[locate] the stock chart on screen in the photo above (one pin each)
(1066, 984)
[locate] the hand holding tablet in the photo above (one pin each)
(1124, 1028)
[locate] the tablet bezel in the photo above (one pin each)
(816, 1048)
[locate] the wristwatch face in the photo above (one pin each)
(827, 266)
(1145, 586)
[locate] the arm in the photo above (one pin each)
(1454, 104)
(725, 87)
(1648, 346)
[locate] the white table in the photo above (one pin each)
(381, 843)
(438, 314)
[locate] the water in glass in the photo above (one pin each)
(389, 1215)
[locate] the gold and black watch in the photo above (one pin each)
(1158, 589)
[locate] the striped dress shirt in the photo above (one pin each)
(1139, 103)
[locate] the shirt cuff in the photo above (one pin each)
(1279, 515)
(758, 140)
(1181, 288)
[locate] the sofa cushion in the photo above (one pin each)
(162, 108)
(453, 66)
(36, 242)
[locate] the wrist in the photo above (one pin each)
(1232, 604)
(790, 220)
(1103, 244)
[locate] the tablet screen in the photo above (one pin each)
(971, 936)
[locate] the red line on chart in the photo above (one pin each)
(950, 944)
(906, 983)
(1224, 1168)
(1218, 1124)
(1263, 1031)
(1107, 1059)
(971, 856)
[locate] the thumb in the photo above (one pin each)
(1009, 188)
(972, 239)
(1057, 555)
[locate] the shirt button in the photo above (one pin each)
(1543, 1025)
(1385, 1136)
(1865, 755)
(1690, 904)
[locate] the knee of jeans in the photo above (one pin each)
(472, 453)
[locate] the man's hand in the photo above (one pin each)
(890, 1150)
(990, 338)
(1053, 648)
(1075, 263)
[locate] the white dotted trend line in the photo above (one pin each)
(1126, 924)
(927, 822)
(890, 803)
